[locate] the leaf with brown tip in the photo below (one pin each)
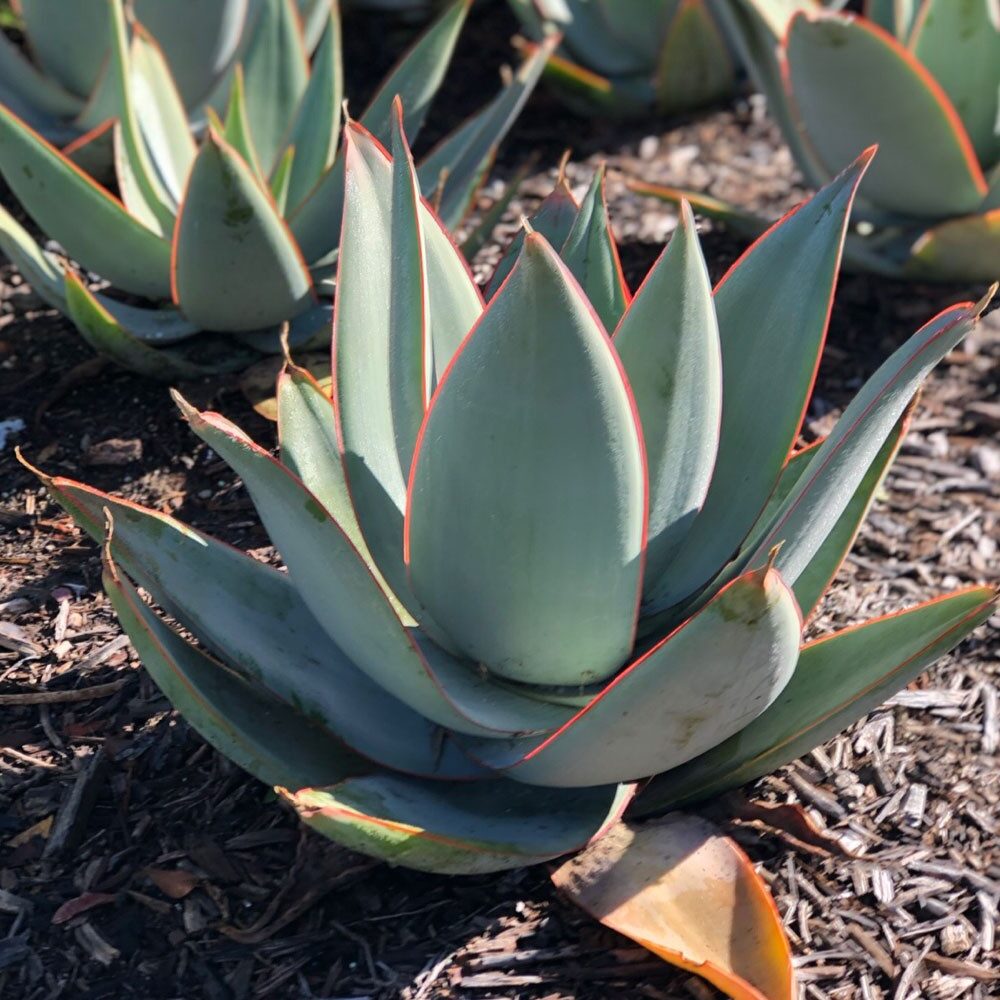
(689, 895)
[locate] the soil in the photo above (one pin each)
(137, 862)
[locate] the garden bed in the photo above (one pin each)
(137, 862)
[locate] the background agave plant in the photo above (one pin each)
(63, 86)
(239, 233)
(511, 591)
(631, 57)
(920, 79)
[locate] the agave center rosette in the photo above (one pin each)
(630, 57)
(531, 563)
(920, 79)
(234, 231)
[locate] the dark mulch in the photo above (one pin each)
(136, 862)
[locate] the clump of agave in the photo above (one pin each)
(65, 88)
(920, 79)
(631, 57)
(538, 549)
(234, 232)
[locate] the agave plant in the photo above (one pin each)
(920, 79)
(238, 233)
(65, 90)
(511, 591)
(630, 57)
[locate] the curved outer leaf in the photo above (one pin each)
(465, 156)
(839, 678)
(316, 129)
(22, 84)
(276, 73)
(959, 43)
(415, 80)
(161, 114)
(387, 315)
(591, 254)
(458, 830)
(695, 67)
(199, 40)
(235, 265)
(668, 342)
(531, 445)
(553, 218)
(703, 683)
(692, 897)
(853, 85)
(755, 28)
(143, 194)
(68, 206)
(68, 41)
(250, 615)
(337, 587)
(272, 741)
(819, 572)
(41, 270)
(782, 285)
(965, 249)
(819, 498)
(106, 335)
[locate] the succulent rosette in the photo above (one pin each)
(219, 239)
(920, 79)
(540, 549)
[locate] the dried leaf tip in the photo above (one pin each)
(283, 340)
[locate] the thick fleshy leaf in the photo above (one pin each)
(22, 84)
(276, 73)
(453, 829)
(692, 897)
(668, 342)
(695, 67)
(819, 572)
(273, 741)
(742, 223)
(894, 16)
(235, 265)
(68, 41)
(142, 192)
(415, 80)
(387, 313)
(281, 180)
(236, 128)
(316, 129)
(307, 432)
(69, 207)
(554, 219)
(338, 588)
(199, 39)
(250, 616)
(161, 114)
(959, 43)
(755, 29)
(42, 270)
(530, 445)
(838, 65)
(833, 475)
(782, 285)
(591, 254)
(839, 678)
(966, 249)
(464, 157)
(314, 14)
(703, 683)
(108, 333)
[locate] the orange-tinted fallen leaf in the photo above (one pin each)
(173, 882)
(73, 907)
(690, 895)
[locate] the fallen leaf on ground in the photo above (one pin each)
(690, 895)
(173, 882)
